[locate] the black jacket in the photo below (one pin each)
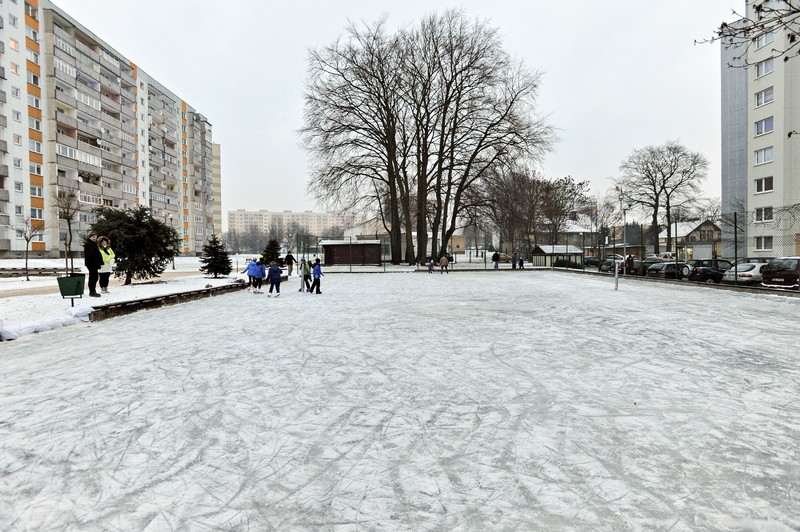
(91, 255)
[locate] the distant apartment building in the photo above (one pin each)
(77, 117)
(760, 147)
(315, 223)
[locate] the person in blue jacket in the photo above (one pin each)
(248, 269)
(260, 272)
(317, 273)
(274, 278)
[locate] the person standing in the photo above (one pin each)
(274, 277)
(251, 270)
(521, 263)
(107, 254)
(443, 262)
(289, 262)
(93, 261)
(496, 260)
(305, 272)
(259, 273)
(317, 274)
(514, 261)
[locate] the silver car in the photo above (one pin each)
(747, 273)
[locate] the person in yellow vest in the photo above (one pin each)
(108, 262)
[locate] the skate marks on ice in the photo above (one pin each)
(409, 401)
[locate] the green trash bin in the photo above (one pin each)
(72, 286)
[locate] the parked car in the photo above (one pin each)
(666, 270)
(505, 258)
(653, 259)
(782, 272)
(639, 268)
(608, 266)
(746, 273)
(591, 261)
(706, 270)
(754, 260)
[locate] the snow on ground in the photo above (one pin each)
(471, 401)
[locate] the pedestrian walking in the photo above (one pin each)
(496, 260)
(107, 254)
(290, 260)
(521, 263)
(316, 272)
(443, 262)
(93, 260)
(274, 277)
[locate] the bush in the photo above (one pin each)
(563, 263)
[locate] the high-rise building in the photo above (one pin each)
(78, 118)
(760, 154)
(315, 223)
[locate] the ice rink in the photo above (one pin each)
(410, 401)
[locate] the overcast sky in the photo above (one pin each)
(617, 75)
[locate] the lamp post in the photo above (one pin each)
(171, 217)
(583, 252)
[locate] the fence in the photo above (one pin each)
(763, 231)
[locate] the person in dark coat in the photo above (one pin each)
(290, 260)
(274, 277)
(496, 260)
(93, 261)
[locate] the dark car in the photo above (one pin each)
(706, 270)
(666, 270)
(608, 266)
(591, 261)
(783, 272)
(639, 268)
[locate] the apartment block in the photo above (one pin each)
(760, 143)
(315, 223)
(78, 118)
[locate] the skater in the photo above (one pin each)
(430, 264)
(514, 261)
(251, 270)
(496, 260)
(443, 264)
(274, 278)
(260, 273)
(521, 263)
(305, 272)
(290, 260)
(317, 274)
(104, 244)
(93, 261)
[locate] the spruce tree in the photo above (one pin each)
(272, 252)
(215, 258)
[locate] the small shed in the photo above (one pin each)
(363, 252)
(548, 256)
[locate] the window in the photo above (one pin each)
(18, 210)
(31, 33)
(17, 139)
(36, 191)
(36, 213)
(764, 97)
(764, 243)
(35, 146)
(15, 92)
(14, 68)
(33, 57)
(764, 126)
(35, 168)
(34, 123)
(17, 162)
(33, 101)
(16, 116)
(14, 21)
(17, 186)
(764, 155)
(764, 67)
(13, 44)
(764, 214)
(764, 39)
(33, 79)
(764, 184)
(31, 11)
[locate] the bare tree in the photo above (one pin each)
(661, 177)
(291, 231)
(68, 208)
(561, 199)
(772, 23)
(29, 229)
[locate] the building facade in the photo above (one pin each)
(315, 223)
(77, 118)
(760, 150)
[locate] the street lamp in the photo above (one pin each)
(583, 252)
(173, 253)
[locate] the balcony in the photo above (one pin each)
(94, 56)
(3, 146)
(66, 120)
(109, 102)
(127, 111)
(89, 130)
(58, 32)
(66, 140)
(113, 174)
(127, 77)
(3, 170)
(111, 157)
(112, 193)
(63, 97)
(3, 121)
(4, 195)
(5, 219)
(2, 96)
(5, 244)
(66, 162)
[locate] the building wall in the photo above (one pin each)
(217, 179)
(93, 123)
(316, 223)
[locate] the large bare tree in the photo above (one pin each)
(659, 178)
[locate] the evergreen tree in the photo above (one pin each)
(215, 258)
(272, 252)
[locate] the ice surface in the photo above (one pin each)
(472, 401)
